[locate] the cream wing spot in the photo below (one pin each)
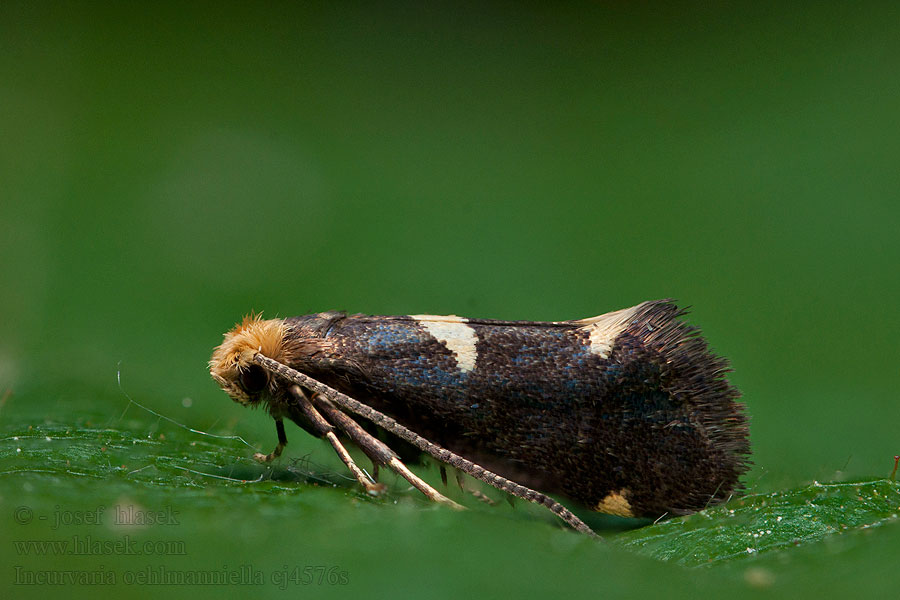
(456, 334)
(604, 330)
(615, 503)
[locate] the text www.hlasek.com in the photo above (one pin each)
(89, 546)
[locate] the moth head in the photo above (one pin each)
(232, 364)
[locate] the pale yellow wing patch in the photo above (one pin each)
(615, 503)
(604, 329)
(456, 334)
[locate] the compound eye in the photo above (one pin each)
(254, 379)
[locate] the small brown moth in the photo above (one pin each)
(627, 413)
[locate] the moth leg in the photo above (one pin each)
(282, 442)
(324, 428)
(378, 451)
(460, 481)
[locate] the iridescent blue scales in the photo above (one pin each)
(627, 413)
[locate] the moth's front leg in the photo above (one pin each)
(282, 442)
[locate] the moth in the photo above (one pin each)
(627, 413)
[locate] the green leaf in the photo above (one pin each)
(776, 521)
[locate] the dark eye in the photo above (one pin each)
(254, 379)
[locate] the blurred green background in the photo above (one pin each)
(165, 169)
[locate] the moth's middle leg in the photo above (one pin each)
(322, 427)
(375, 449)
